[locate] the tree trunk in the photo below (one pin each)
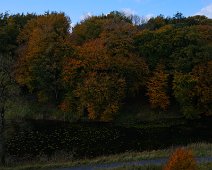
(2, 137)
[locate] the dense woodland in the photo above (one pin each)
(90, 72)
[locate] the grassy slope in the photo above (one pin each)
(199, 150)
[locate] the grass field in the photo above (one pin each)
(199, 150)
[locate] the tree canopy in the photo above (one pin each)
(92, 70)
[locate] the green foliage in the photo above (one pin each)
(98, 82)
(9, 30)
(134, 167)
(183, 86)
(92, 27)
(87, 30)
(40, 63)
(27, 140)
(92, 71)
(156, 23)
(203, 89)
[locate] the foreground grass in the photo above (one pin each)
(145, 167)
(199, 150)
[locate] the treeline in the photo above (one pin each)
(91, 70)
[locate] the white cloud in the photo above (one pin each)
(149, 16)
(73, 24)
(86, 16)
(137, 20)
(207, 11)
(128, 12)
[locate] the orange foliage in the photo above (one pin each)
(118, 38)
(157, 87)
(64, 106)
(103, 94)
(92, 114)
(43, 45)
(181, 159)
(98, 81)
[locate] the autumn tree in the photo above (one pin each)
(154, 46)
(180, 47)
(8, 91)
(197, 20)
(104, 62)
(86, 30)
(98, 82)
(43, 45)
(102, 95)
(184, 92)
(118, 37)
(91, 59)
(155, 23)
(157, 87)
(93, 69)
(91, 28)
(10, 26)
(203, 88)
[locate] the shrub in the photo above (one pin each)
(181, 159)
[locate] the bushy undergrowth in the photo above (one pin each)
(44, 140)
(60, 161)
(181, 159)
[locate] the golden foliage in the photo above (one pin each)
(157, 88)
(99, 81)
(43, 45)
(181, 159)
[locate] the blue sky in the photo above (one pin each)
(78, 9)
